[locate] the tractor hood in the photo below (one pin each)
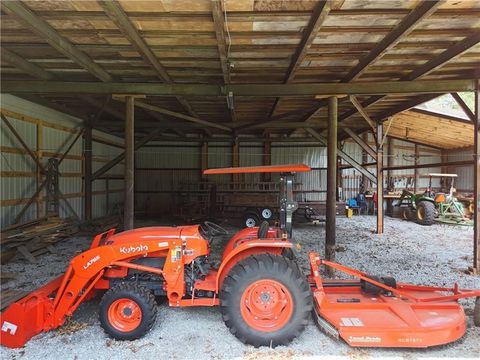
(154, 232)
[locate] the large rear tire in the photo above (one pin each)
(266, 300)
(476, 312)
(127, 311)
(425, 213)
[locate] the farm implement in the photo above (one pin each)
(431, 207)
(264, 297)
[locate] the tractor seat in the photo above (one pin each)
(440, 198)
(263, 230)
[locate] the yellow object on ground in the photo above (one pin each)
(349, 212)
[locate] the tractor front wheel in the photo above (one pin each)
(425, 213)
(407, 213)
(266, 300)
(127, 311)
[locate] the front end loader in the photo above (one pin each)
(264, 297)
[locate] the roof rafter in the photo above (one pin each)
(57, 41)
(435, 63)
(26, 66)
(219, 24)
(116, 13)
(405, 27)
(317, 19)
(466, 109)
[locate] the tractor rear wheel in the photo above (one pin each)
(127, 311)
(266, 300)
(476, 312)
(425, 213)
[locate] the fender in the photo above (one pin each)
(245, 249)
(247, 234)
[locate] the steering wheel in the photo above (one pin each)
(214, 229)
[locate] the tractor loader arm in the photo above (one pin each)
(47, 307)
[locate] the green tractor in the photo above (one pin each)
(429, 207)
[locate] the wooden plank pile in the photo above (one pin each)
(36, 237)
(9, 296)
(105, 223)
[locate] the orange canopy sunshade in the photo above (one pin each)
(289, 168)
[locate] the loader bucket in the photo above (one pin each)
(29, 316)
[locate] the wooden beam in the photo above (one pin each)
(362, 111)
(40, 73)
(476, 183)
(331, 208)
(24, 145)
(306, 114)
(452, 52)
(322, 140)
(405, 106)
(317, 19)
(116, 13)
(247, 90)
(421, 166)
(204, 159)
(449, 54)
(146, 106)
(219, 25)
(129, 168)
(379, 141)
(57, 41)
(25, 66)
(466, 109)
(103, 106)
(360, 142)
(87, 168)
(399, 32)
(152, 135)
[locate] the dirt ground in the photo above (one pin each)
(424, 255)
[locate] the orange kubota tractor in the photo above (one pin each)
(264, 297)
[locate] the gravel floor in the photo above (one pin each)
(425, 255)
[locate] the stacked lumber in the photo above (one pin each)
(36, 237)
(105, 223)
(9, 296)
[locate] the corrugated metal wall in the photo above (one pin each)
(50, 133)
(403, 154)
(464, 182)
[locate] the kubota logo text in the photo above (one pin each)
(132, 249)
(91, 262)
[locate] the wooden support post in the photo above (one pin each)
(415, 170)
(339, 179)
(267, 158)
(379, 177)
(128, 222)
(204, 159)
(331, 179)
(39, 170)
(107, 192)
(364, 160)
(236, 162)
(390, 182)
(389, 162)
(87, 178)
(476, 192)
